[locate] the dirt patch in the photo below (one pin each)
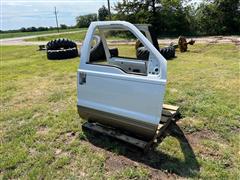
(59, 153)
(156, 175)
(67, 137)
(75, 170)
(32, 151)
(117, 162)
(42, 130)
(196, 140)
(195, 137)
(71, 136)
(209, 44)
(205, 39)
(212, 40)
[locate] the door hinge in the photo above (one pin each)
(82, 78)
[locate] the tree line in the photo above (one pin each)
(168, 17)
(36, 29)
(175, 17)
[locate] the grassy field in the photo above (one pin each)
(41, 134)
(79, 36)
(21, 34)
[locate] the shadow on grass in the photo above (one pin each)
(189, 167)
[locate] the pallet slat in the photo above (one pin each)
(137, 142)
(169, 110)
(168, 114)
(164, 119)
(170, 107)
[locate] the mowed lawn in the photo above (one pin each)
(76, 36)
(21, 34)
(41, 134)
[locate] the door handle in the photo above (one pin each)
(82, 78)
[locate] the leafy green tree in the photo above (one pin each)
(23, 29)
(102, 13)
(85, 21)
(219, 17)
(63, 26)
(175, 17)
(132, 11)
(167, 17)
(42, 29)
(31, 29)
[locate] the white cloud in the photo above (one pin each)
(16, 14)
(13, 3)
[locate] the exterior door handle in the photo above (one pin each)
(82, 78)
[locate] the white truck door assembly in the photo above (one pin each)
(123, 93)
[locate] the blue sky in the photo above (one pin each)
(15, 14)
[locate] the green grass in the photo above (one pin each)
(41, 135)
(79, 36)
(21, 34)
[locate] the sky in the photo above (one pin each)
(15, 14)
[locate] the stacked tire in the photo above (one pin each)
(97, 52)
(167, 52)
(61, 49)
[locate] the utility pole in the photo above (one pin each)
(109, 12)
(55, 12)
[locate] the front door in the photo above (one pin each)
(111, 95)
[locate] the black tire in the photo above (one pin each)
(62, 54)
(61, 49)
(113, 52)
(60, 44)
(142, 53)
(138, 44)
(97, 52)
(153, 37)
(168, 53)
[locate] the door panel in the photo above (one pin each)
(139, 100)
(130, 65)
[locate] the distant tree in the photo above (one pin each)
(51, 28)
(85, 21)
(63, 26)
(42, 29)
(102, 13)
(31, 29)
(219, 17)
(171, 18)
(132, 11)
(177, 17)
(23, 29)
(167, 17)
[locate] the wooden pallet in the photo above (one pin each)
(169, 111)
(168, 114)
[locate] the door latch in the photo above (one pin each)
(82, 78)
